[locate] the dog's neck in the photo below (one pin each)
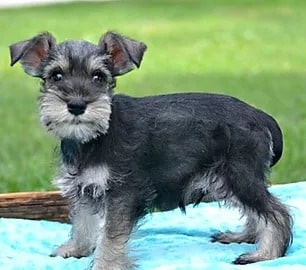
(77, 155)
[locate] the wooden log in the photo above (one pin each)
(34, 205)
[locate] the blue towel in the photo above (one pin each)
(164, 241)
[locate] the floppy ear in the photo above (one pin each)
(31, 52)
(125, 53)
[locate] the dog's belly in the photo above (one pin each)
(207, 187)
(168, 200)
(164, 205)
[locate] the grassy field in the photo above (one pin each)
(254, 50)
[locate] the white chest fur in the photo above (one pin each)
(96, 177)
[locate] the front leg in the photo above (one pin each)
(112, 248)
(85, 227)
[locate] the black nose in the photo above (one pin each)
(76, 107)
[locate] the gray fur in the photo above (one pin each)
(121, 156)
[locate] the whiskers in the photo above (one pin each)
(55, 116)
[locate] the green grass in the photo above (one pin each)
(254, 50)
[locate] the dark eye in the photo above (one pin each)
(98, 76)
(57, 76)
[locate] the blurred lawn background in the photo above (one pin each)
(252, 49)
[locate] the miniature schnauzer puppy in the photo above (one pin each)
(123, 156)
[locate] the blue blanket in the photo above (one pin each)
(164, 241)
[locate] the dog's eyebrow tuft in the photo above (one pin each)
(94, 62)
(58, 64)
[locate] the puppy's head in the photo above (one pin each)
(78, 78)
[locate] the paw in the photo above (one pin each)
(244, 259)
(69, 250)
(232, 237)
(221, 238)
(247, 258)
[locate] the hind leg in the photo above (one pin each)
(273, 232)
(247, 235)
(244, 181)
(268, 222)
